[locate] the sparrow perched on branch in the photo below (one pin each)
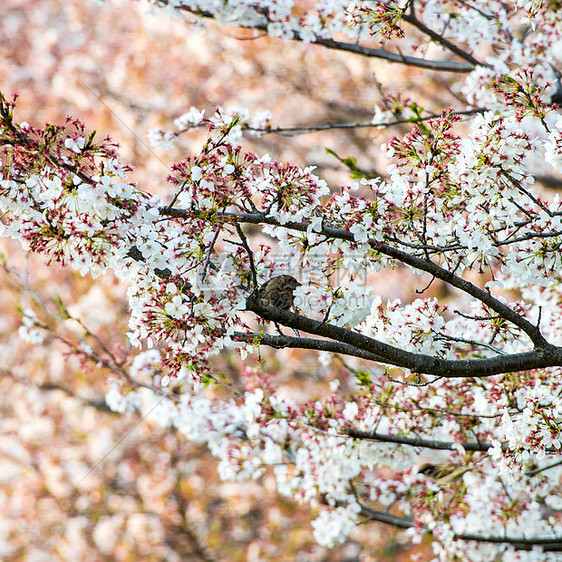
(278, 291)
(444, 474)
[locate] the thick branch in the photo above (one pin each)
(520, 543)
(483, 296)
(357, 344)
(442, 66)
(442, 41)
(439, 445)
(384, 517)
(280, 342)
(416, 442)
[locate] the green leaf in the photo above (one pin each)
(355, 172)
(363, 378)
(90, 139)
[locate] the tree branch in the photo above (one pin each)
(357, 344)
(520, 543)
(442, 66)
(413, 20)
(422, 264)
(359, 125)
(416, 442)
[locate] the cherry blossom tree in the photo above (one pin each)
(447, 423)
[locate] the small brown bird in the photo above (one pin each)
(278, 291)
(444, 474)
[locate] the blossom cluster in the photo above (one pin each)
(63, 195)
